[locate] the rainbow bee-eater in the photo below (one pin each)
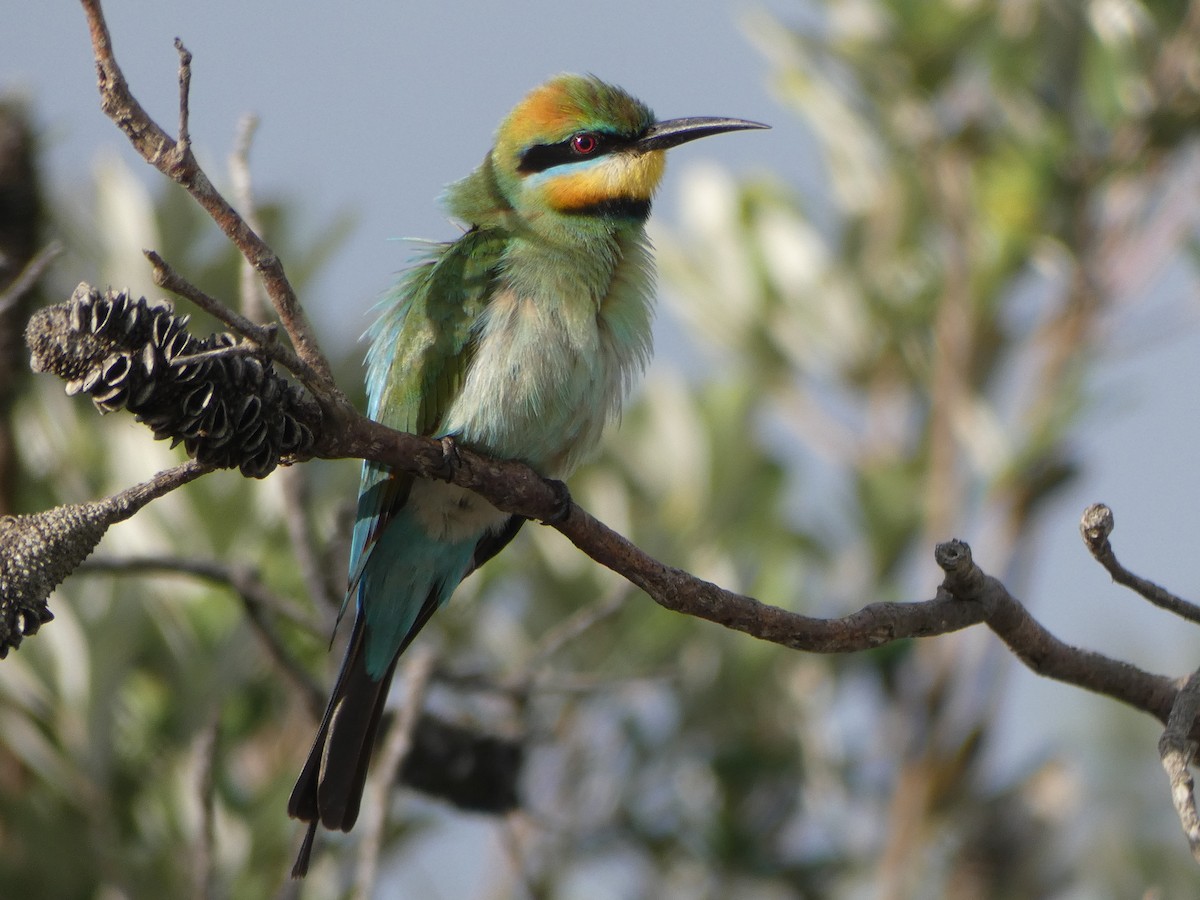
(519, 340)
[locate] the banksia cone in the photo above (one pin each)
(38, 551)
(228, 410)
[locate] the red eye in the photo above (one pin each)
(584, 144)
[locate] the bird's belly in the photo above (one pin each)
(541, 386)
(449, 513)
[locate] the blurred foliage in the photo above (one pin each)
(878, 357)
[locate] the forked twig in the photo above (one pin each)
(174, 158)
(262, 335)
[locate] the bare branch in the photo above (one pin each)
(249, 287)
(515, 488)
(679, 591)
(132, 499)
(967, 597)
(206, 751)
(262, 335)
(245, 348)
(29, 276)
(1039, 649)
(1096, 525)
(174, 159)
(184, 141)
(304, 545)
(1177, 749)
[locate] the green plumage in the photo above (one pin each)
(421, 343)
(520, 340)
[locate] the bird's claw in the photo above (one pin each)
(562, 503)
(450, 458)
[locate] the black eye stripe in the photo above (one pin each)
(541, 157)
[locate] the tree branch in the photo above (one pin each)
(1095, 526)
(249, 287)
(174, 159)
(1177, 749)
(203, 858)
(1043, 652)
(263, 336)
(30, 275)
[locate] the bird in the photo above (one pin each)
(519, 340)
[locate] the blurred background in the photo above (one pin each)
(952, 293)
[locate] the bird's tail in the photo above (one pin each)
(329, 789)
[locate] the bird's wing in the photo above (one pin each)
(421, 345)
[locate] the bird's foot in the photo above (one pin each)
(450, 458)
(562, 503)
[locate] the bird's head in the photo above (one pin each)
(581, 153)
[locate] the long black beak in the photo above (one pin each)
(673, 132)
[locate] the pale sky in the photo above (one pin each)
(374, 107)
